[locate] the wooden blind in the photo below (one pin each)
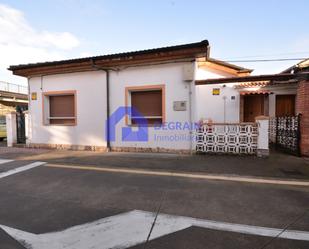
(62, 106)
(148, 104)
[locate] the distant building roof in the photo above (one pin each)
(301, 66)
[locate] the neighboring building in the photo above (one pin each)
(283, 97)
(244, 101)
(270, 97)
(12, 96)
(71, 100)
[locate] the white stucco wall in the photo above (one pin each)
(91, 109)
(218, 108)
(91, 105)
(176, 89)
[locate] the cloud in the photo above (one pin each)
(22, 43)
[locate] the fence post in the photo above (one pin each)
(263, 136)
(11, 131)
(27, 127)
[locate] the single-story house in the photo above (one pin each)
(85, 103)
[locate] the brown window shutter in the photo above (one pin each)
(62, 106)
(148, 103)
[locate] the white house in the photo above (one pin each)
(70, 100)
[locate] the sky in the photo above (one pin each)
(46, 30)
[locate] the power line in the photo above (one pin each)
(268, 60)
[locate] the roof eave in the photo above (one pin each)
(230, 65)
(192, 50)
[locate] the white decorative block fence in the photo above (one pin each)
(239, 138)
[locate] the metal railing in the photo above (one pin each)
(11, 87)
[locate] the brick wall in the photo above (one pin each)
(302, 106)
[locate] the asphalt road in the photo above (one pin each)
(44, 200)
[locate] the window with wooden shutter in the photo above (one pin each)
(149, 103)
(60, 109)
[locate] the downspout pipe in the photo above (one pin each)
(107, 73)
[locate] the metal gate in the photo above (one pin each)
(20, 127)
(284, 132)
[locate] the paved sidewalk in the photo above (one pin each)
(278, 165)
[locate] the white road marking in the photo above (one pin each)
(131, 228)
(20, 169)
(2, 161)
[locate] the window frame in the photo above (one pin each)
(45, 119)
(143, 88)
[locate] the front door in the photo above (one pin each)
(285, 105)
(253, 107)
